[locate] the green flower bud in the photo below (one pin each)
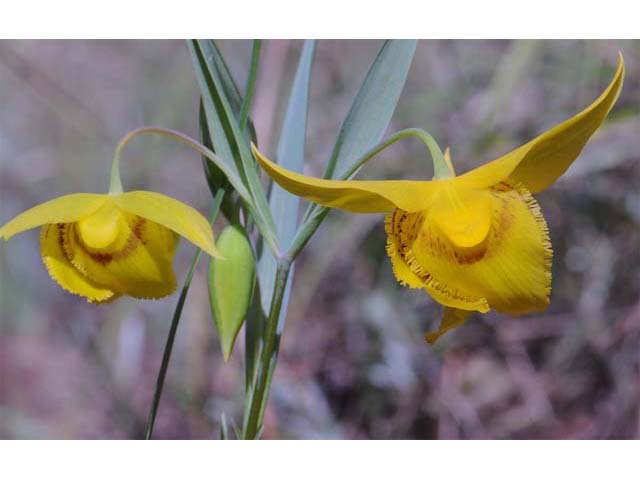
(231, 282)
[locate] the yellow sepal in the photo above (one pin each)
(172, 214)
(451, 318)
(353, 195)
(65, 209)
(540, 162)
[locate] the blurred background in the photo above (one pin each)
(353, 361)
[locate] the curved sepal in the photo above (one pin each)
(65, 209)
(539, 163)
(352, 195)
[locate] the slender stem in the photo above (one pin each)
(251, 83)
(181, 137)
(174, 325)
(269, 354)
(269, 237)
(115, 184)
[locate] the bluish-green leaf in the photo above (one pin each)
(366, 122)
(212, 104)
(284, 206)
(229, 85)
(290, 154)
(215, 177)
(232, 139)
(229, 143)
(373, 106)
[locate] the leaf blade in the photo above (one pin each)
(373, 105)
(290, 154)
(229, 142)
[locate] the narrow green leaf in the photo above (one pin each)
(231, 281)
(290, 154)
(216, 129)
(253, 335)
(233, 139)
(229, 85)
(251, 81)
(366, 122)
(215, 178)
(229, 142)
(231, 90)
(373, 106)
(284, 206)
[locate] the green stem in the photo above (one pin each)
(115, 183)
(174, 325)
(260, 391)
(251, 83)
(315, 214)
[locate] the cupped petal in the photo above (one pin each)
(353, 195)
(401, 268)
(65, 209)
(403, 231)
(62, 270)
(540, 162)
(138, 263)
(511, 267)
(451, 318)
(172, 214)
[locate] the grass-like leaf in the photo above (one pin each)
(229, 143)
(373, 106)
(290, 154)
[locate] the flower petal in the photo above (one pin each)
(403, 230)
(511, 267)
(172, 214)
(353, 195)
(540, 162)
(451, 318)
(138, 263)
(63, 272)
(65, 209)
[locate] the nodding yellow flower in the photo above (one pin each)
(102, 246)
(475, 241)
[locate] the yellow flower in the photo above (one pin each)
(473, 242)
(101, 246)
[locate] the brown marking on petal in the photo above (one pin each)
(403, 229)
(134, 239)
(62, 230)
(138, 228)
(470, 258)
(406, 230)
(105, 258)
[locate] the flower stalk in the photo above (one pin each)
(260, 391)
